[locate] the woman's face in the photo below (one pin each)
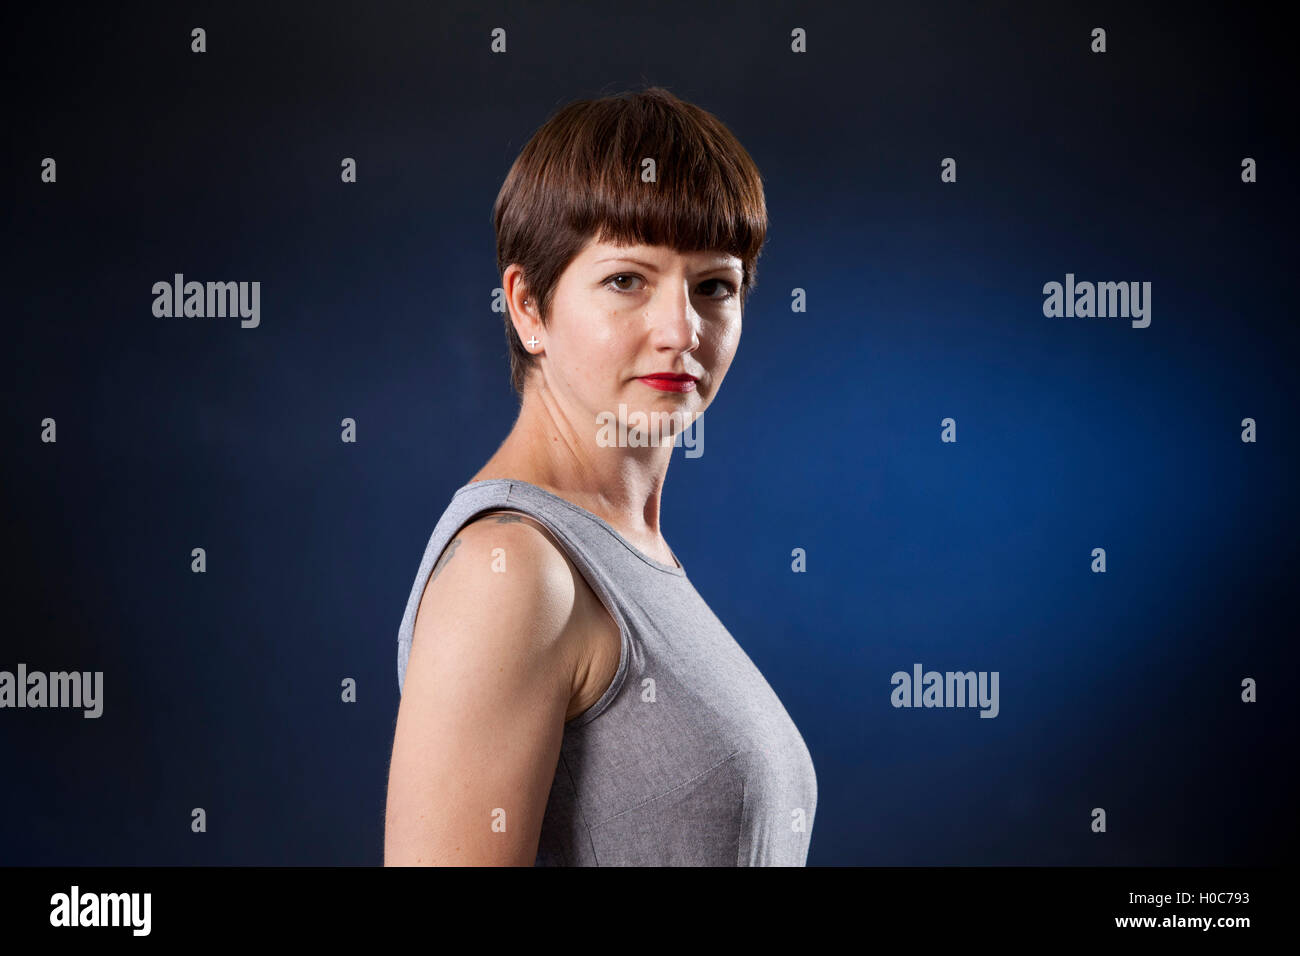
(623, 312)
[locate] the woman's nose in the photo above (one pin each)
(676, 321)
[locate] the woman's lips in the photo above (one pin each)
(666, 383)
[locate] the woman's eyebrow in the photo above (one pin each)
(726, 266)
(648, 265)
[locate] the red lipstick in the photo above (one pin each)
(670, 382)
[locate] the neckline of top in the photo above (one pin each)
(679, 569)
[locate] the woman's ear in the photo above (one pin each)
(524, 313)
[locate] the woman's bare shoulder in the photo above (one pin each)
(592, 630)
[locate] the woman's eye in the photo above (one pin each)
(731, 289)
(622, 275)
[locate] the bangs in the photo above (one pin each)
(700, 197)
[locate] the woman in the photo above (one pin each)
(568, 698)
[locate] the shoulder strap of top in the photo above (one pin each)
(591, 548)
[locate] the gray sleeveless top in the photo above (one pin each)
(689, 757)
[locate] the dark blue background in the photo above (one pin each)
(222, 690)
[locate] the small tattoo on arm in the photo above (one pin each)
(446, 556)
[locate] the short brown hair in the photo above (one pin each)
(579, 176)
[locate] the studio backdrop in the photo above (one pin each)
(1015, 399)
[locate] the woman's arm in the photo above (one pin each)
(490, 676)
